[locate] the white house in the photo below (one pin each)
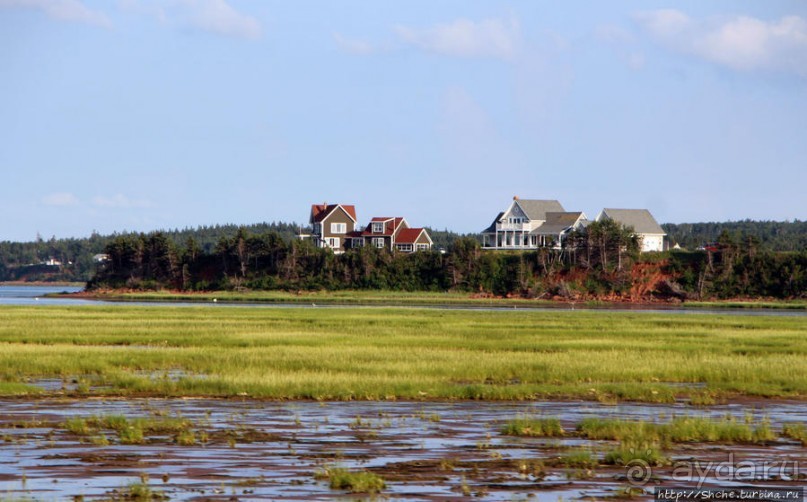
(650, 233)
(515, 227)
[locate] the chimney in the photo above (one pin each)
(515, 197)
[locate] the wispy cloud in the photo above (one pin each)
(214, 16)
(120, 201)
(623, 43)
(62, 10)
(494, 38)
(60, 199)
(353, 46)
(742, 43)
(219, 17)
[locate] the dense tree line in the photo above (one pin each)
(601, 261)
(27, 261)
(771, 235)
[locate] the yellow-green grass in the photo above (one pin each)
(678, 430)
(395, 298)
(355, 482)
(401, 353)
(533, 426)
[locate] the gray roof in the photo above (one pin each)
(537, 209)
(640, 219)
(557, 223)
(492, 228)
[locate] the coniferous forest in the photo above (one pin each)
(745, 259)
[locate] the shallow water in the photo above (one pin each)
(424, 450)
(35, 295)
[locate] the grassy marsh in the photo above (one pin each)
(400, 353)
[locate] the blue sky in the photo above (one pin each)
(136, 115)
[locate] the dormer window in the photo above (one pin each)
(378, 227)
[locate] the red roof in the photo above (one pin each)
(408, 235)
(390, 224)
(321, 211)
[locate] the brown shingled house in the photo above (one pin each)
(334, 227)
(332, 224)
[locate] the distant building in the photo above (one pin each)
(335, 227)
(530, 224)
(332, 223)
(645, 227)
(558, 226)
(393, 233)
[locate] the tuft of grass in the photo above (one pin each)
(78, 425)
(579, 458)
(533, 426)
(630, 452)
(702, 399)
(186, 438)
(797, 431)
(131, 435)
(142, 491)
(355, 482)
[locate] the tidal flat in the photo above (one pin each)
(129, 402)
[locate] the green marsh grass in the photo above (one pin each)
(579, 458)
(400, 353)
(531, 426)
(678, 430)
(355, 482)
(797, 431)
(631, 452)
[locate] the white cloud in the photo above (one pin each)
(496, 38)
(63, 10)
(741, 43)
(353, 46)
(120, 201)
(215, 16)
(219, 17)
(60, 199)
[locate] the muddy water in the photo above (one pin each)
(437, 451)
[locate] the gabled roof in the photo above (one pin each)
(537, 209)
(640, 219)
(557, 223)
(492, 228)
(390, 225)
(320, 212)
(410, 235)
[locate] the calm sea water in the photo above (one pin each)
(34, 295)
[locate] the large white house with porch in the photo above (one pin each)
(519, 226)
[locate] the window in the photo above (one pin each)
(338, 228)
(407, 248)
(422, 247)
(333, 242)
(378, 227)
(318, 228)
(378, 242)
